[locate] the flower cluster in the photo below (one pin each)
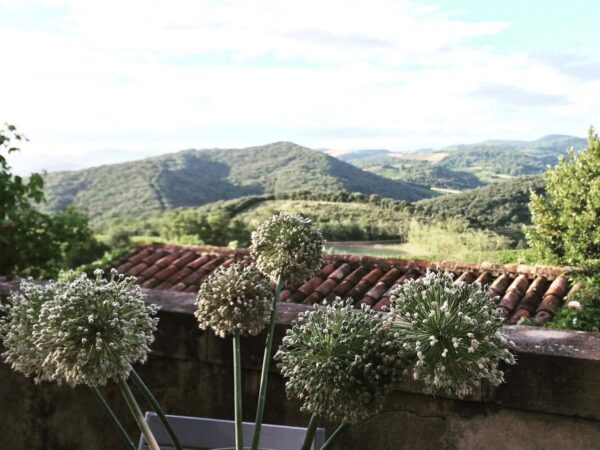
(287, 246)
(237, 299)
(454, 331)
(17, 325)
(340, 362)
(87, 331)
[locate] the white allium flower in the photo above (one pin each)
(237, 299)
(94, 330)
(19, 319)
(341, 362)
(458, 343)
(287, 245)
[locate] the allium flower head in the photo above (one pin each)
(340, 362)
(94, 330)
(17, 324)
(287, 245)
(236, 299)
(454, 330)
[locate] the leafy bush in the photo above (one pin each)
(583, 307)
(565, 222)
(33, 243)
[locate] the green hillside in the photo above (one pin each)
(196, 177)
(367, 218)
(502, 205)
(512, 158)
(463, 167)
(418, 171)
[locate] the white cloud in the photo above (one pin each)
(157, 76)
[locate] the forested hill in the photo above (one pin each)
(498, 205)
(197, 177)
(511, 157)
(468, 166)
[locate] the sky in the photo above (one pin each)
(93, 82)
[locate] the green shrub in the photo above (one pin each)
(582, 311)
(33, 243)
(565, 222)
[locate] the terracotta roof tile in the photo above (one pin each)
(151, 283)
(137, 269)
(341, 272)
(149, 272)
(184, 259)
(484, 278)
(124, 267)
(349, 282)
(155, 257)
(364, 284)
(523, 291)
(199, 261)
(384, 283)
(143, 253)
(514, 293)
(167, 259)
(165, 273)
(193, 288)
(500, 285)
(212, 264)
(468, 277)
(285, 295)
(552, 300)
(530, 301)
(193, 277)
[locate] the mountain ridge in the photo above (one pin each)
(195, 177)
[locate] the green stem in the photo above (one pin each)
(138, 416)
(157, 408)
(310, 433)
(237, 381)
(126, 439)
(334, 436)
(262, 393)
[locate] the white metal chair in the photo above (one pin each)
(198, 433)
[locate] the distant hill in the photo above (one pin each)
(501, 205)
(419, 171)
(463, 167)
(197, 177)
(512, 158)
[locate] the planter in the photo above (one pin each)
(216, 434)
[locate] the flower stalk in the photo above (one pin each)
(114, 419)
(334, 437)
(157, 408)
(310, 432)
(138, 416)
(264, 375)
(237, 381)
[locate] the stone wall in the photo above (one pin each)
(551, 399)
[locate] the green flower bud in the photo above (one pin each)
(288, 246)
(92, 331)
(340, 362)
(454, 331)
(237, 299)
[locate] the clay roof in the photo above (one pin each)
(536, 292)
